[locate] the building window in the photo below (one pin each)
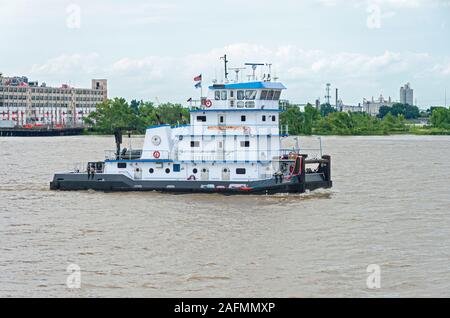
(245, 143)
(243, 118)
(195, 144)
(122, 165)
(241, 171)
(201, 118)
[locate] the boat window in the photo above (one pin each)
(201, 118)
(240, 104)
(240, 95)
(274, 118)
(250, 104)
(217, 95)
(263, 95)
(276, 95)
(167, 170)
(195, 170)
(231, 103)
(241, 171)
(243, 118)
(231, 94)
(245, 143)
(221, 119)
(250, 94)
(195, 144)
(263, 117)
(176, 167)
(270, 95)
(121, 165)
(151, 170)
(224, 95)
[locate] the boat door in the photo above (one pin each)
(138, 173)
(225, 174)
(204, 175)
(220, 149)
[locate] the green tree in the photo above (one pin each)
(440, 118)
(326, 109)
(112, 114)
(294, 118)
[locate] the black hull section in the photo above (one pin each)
(305, 180)
(110, 183)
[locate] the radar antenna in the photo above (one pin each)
(254, 66)
(237, 70)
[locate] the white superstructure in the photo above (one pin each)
(234, 136)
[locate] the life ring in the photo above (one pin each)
(208, 103)
(156, 154)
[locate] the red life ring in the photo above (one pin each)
(156, 154)
(208, 103)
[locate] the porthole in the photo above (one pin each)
(167, 170)
(151, 170)
(195, 170)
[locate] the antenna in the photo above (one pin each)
(224, 58)
(254, 66)
(237, 70)
(270, 71)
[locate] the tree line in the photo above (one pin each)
(136, 116)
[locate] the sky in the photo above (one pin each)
(152, 50)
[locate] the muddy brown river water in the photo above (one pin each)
(390, 206)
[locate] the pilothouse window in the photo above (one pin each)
(224, 95)
(270, 95)
(217, 95)
(263, 95)
(240, 95)
(250, 95)
(276, 95)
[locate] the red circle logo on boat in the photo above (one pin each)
(156, 154)
(208, 103)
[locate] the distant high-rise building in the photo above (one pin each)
(407, 94)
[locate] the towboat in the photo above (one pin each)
(233, 145)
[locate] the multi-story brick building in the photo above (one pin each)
(25, 102)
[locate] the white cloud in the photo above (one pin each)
(170, 77)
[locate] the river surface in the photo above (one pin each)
(390, 206)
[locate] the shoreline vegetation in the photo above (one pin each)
(399, 119)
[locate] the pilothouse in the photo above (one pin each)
(232, 145)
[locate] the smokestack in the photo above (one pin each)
(337, 98)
